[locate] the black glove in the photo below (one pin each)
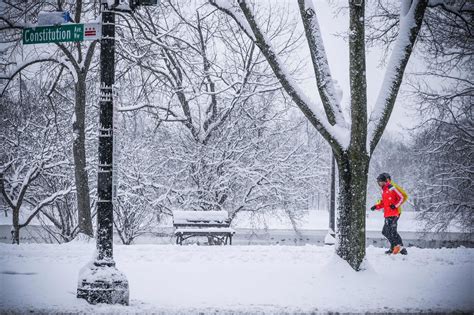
(392, 207)
(373, 208)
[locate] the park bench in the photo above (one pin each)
(215, 225)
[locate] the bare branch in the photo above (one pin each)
(324, 79)
(410, 24)
(251, 28)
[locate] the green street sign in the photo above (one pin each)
(53, 34)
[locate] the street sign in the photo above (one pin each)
(53, 34)
(62, 33)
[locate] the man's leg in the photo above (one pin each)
(387, 232)
(398, 239)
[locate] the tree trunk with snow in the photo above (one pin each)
(16, 227)
(354, 163)
(332, 198)
(79, 152)
(353, 168)
(352, 141)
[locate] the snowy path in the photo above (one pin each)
(246, 279)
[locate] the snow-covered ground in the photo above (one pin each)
(170, 279)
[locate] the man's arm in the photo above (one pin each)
(378, 205)
(397, 197)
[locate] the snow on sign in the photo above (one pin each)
(92, 31)
(54, 18)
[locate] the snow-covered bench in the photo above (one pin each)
(215, 225)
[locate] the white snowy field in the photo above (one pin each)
(167, 279)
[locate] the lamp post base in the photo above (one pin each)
(102, 283)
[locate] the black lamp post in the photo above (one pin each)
(100, 281)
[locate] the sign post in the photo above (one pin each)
(101, 281)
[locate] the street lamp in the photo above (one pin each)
(100, 281)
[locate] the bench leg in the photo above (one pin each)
(210, 240)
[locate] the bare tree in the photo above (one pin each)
(446, 135)
(58, 218)
(352, 141)
(30, 158)
(139, 193)
(444, 90)
(214, 98)
(76, 58)
(447, 147)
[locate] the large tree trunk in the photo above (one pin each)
(79, 151)
(353, 163)
(332, 198)
(351, 208)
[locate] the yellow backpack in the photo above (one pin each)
(403, 192)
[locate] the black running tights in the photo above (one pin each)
(390, 232)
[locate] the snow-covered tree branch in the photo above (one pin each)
(31, 158)
(324, 80)
(336, 135)
(411, 18)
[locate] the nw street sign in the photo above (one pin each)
(53, 34)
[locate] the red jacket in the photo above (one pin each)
(390, 196)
